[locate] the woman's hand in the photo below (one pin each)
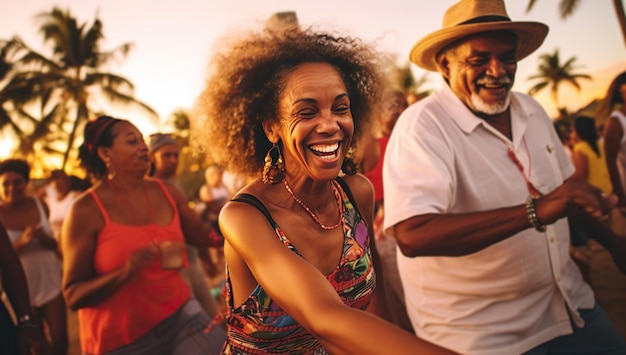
(27, 237)
(139, 259)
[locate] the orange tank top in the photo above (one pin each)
(142, 302)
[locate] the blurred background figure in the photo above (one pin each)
(563, 128)
(123, 249)
(588, 154)
(590, 164)
(26, 222)
(580, 249)
(233, 182)
(164, 154)
(394, 103)
(59, 203)
(213, 195)
(613, 110)
(24, 337)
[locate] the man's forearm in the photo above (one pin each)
(459, 234)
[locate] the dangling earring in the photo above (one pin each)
(349, 166)
(110, 171)
(273, 170)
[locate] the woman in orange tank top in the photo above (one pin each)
(123, 246)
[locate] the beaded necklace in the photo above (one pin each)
(306, 208)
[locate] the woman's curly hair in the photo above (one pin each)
(246, 79)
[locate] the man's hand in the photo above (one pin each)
(574, 197)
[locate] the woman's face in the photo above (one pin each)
(128, 152)
(315, 123)
(12, 186)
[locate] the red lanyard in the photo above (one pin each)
(529, 185)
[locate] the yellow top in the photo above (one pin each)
(598, 173)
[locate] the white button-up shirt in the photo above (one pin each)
(514, 294)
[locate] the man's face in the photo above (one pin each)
(166, 160)
(481, 69)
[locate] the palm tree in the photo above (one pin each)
(552, 73)
(9, 96)
(407, 82)
(73, 75)
(32, 133)
(567, 8)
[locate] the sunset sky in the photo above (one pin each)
(173, 39)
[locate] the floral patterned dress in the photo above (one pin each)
(260, 326)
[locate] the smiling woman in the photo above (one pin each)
(286, 106)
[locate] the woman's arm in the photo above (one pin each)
(195, 231)
(81, 286)
(24, 240)
(303, 292)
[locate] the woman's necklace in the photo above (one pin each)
(306, 208)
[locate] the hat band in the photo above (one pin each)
(482, 19)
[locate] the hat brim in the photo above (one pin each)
(530, 36)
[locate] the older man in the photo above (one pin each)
(477, 192)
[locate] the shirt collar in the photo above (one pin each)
(468, 121)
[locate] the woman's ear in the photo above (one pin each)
(270, 127)
(104, 153)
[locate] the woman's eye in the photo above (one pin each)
(342, 109)
(306, 113)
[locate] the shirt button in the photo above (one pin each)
(551, 239)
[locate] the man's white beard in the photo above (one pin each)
(490, 109)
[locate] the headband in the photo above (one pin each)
(95, 129)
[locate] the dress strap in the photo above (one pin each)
(348, 192)
(254, 201)
(100, 206)
(167, 194)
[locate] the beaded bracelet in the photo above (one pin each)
(532, 214)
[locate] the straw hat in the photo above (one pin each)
(468, 17)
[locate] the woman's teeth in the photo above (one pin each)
(325, 151)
